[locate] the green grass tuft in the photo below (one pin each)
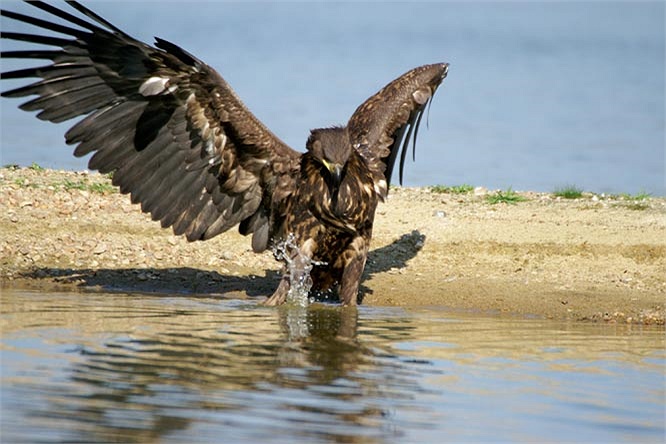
(85, 185)
(71, 185)
(102, 188)
(508, 197)
(25, 183)
(36, 167)
(455, 189)
(637, 202)
(569, 192)
(642, 195)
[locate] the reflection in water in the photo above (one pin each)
(243, 365)
(94, 367)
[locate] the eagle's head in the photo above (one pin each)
(331, 148)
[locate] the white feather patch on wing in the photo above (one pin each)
(422, 95)
(156, 85)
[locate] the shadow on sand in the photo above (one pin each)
(190, 281)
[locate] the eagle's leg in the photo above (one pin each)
(353, 270)
(301, 256)
(280, 295)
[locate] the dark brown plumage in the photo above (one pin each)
(183, 145)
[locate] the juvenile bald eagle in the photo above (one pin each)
(181, 143)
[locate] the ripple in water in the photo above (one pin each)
(102, 367)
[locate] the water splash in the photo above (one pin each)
(299, 265)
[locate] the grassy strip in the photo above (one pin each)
(84, 184)
(508, 197)
(568, 192)
(455, 189)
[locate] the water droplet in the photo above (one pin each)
(299, 266)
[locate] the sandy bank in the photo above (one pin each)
(595, 258)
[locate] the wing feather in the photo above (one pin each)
(384, 124)
(169, 127)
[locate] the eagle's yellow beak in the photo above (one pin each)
(336, 171)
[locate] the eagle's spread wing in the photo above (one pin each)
(384, 124)
(172, 131)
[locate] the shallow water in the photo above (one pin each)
(145, 368)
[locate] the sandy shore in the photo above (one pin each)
(593, 258)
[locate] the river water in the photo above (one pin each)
(539, 95)
(98, 367)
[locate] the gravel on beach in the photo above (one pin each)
(597, 258)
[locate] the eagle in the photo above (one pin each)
(182, 144)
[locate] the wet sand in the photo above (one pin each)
(599, 258)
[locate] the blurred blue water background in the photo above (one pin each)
(539, 94)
